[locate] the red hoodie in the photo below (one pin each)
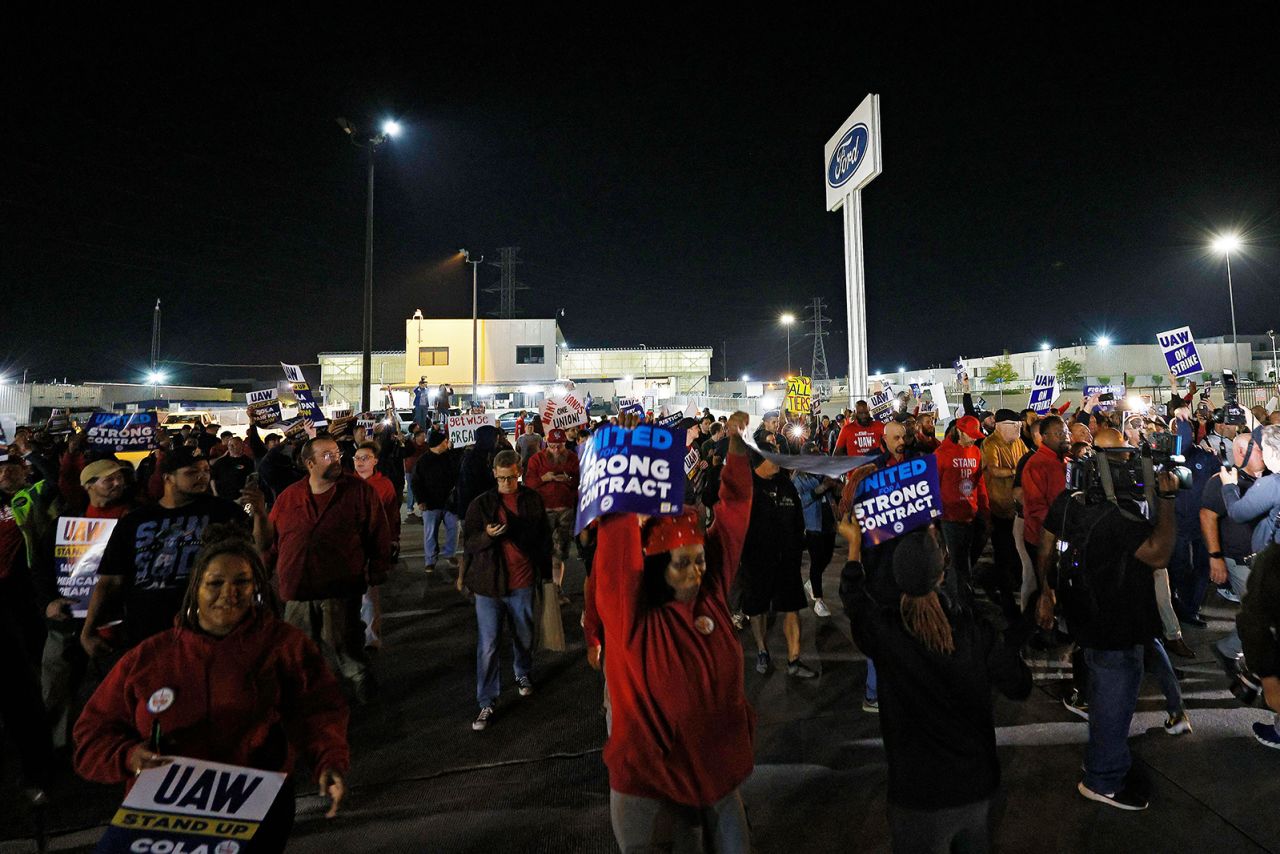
(1043, 478)
(964, 494)
(257, 698)
(858, 440)
(682, 727)
(555, 494)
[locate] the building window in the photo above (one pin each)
(430, 357)
(529, 355)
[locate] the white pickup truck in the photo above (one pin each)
(175, 421)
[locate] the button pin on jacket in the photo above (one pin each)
(160, 701)
(705, 625)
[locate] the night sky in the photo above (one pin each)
(1047, 175)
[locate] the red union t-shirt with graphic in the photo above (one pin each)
(858, 440)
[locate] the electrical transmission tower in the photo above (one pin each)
(508, 258)
(819, 369)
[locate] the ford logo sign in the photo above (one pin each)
(848, 155)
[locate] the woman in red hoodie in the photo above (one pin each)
(682, 729)
(229, 683)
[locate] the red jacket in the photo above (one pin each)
(257, 698)
(964, 494)
(386, 491)
(1043, 478)
(857, 440)
(555, 495)
(334, 552)
(682, 727)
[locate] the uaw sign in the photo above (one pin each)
(78, 545)
(1043, 391)
(1180, 351)
(190, 806)
(135, 431)
(306, 403)
(799, 394)
(264, 408)
(898, 499)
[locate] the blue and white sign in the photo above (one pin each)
(881, 404)
(1180, 351)
(851, 157)
(670, 421)
(630, 406)
(1043, 390)
(307, 405)
(898, 499)
(1116, 391)
(630, 471)
(134, 431)
(962, 373)
(915, 390)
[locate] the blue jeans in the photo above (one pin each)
(871, 693)
(1114, 678)
(489, 613)
(1188, 573)
(1163, 670)
(430, 521)
(1237, 580)
(422, 416)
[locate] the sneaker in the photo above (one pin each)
(524, 685)
(1178, 723)
(808, 589)
(1179, 647)
(1225, 593)
(820, 608)
(870, 706)
(1076, 704)
(800, 670)
(762, 661)
(1266, 735)
(1122, 800)
(431, 567)
(482, 720)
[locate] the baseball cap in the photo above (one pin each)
(181, 458)
(556, 436)
(98, 469)
(671, 532)
(1003, 415)
(969, 426)
(435, 437)
(772, 413)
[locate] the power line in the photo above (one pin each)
(816, 317)
(507, 284)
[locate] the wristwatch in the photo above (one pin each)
(1217, 555)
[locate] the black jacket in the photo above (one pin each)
(486, 573)
(434, 477)
(936, 718)
(1259, 617)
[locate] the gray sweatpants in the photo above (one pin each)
(648, 826)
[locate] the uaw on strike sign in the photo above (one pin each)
(192, 807)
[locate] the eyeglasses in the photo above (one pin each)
(329, 456)
(506, 477)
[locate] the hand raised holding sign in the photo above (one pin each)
(141, 758)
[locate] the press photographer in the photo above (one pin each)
(1258, 623)
(1104, 581)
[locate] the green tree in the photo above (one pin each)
(1069, 372)
(1104, 380)
(1157, 380)
(1001, 371)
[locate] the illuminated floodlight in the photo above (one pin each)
(1104, 342)
(391, 128)
(156, 378)
(1226, 244)
(1044, 346)
(746, 378)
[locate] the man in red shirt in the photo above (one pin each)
(926, 439)
(553, 474)
(330, 541)
(861, 434)
(964, 498)
(366, 466)
(508, 547)
(1043, 478)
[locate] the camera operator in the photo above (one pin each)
(1189, 566)
(1258, 622)
(1262, 504)
(1105, 581)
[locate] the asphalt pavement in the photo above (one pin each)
(534, 781)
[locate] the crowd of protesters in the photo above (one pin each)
(259, 561)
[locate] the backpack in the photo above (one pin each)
(1079, 587)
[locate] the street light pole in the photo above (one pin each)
(787, 320)
(1275, 371)
(390, 129)
(1226, 244)
(475, 322)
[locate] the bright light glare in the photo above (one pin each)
(156, 378)
(1044, 345)
(1226, 243)
(1104, 341)
(391, 128)
(787, 319)
(1135, 403)
(901, 369)
(746, 378)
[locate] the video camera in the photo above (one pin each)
(1127, 472)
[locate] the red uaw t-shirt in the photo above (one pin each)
(859, 440)
(519, 569)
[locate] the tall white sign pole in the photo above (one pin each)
(852, 160)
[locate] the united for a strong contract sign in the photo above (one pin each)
(630, 471)
(898, 499)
